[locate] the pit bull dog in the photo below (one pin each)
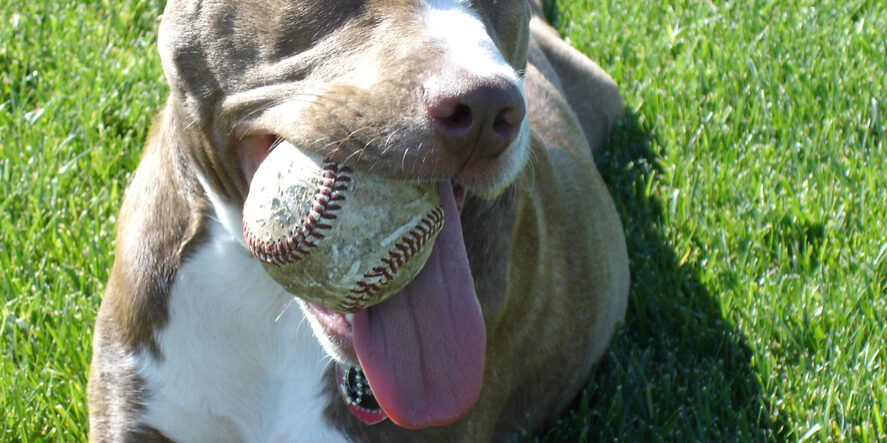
(194, 341)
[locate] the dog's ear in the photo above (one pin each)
(209, 51)
(205, 48)
(184, 57)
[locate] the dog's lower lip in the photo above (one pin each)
(334, 322)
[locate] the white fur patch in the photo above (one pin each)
(240, 363)
(464, 38)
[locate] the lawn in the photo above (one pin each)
(749, 176)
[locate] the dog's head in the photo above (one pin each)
(418, 89)
(406, 89)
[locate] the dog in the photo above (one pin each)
(195, 342)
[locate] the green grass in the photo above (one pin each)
(79, 82)
(749, 177)
(750, 180)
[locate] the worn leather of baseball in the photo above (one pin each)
(336, 237)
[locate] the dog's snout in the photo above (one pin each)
(474, 114)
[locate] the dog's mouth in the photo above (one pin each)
(418, 357)
(421, 352)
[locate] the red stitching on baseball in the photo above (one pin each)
(327, 199)
(406, 247)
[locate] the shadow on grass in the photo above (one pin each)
(677, 370)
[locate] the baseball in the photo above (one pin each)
(336, 237)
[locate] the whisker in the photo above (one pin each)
(403, 160)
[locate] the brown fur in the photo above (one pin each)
(547, 256)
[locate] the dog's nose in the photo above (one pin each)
(471, 113)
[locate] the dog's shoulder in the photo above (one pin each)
(566, 75)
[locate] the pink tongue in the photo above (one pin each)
(422, 350)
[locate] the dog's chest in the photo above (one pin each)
(239, 360)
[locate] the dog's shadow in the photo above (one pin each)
(677, 370)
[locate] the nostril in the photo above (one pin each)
(460, 120)
(451, 113)
(507, 123)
